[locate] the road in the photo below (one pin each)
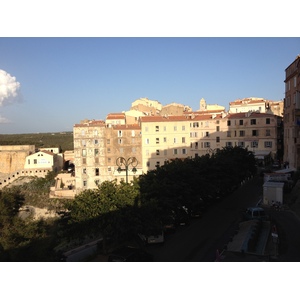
(200, 241)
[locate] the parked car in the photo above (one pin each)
(130, 254)
(155, 237)
(255, 213)
(168, 223)
(182, 216)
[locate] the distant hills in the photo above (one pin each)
(64, 140)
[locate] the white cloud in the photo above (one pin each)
(3, 120)
(9, 88)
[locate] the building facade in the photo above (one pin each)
(152, 140)
(292, 114)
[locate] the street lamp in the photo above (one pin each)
(131, 161)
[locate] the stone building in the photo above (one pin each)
(100, 146)
(291, 117)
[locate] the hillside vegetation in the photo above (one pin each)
(64, 140)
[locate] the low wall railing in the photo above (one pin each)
(9, 178)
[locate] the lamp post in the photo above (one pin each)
(131, 161)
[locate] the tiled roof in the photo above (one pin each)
(113, 116)
(248, 115)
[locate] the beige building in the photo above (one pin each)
(100, 148)
(291, 117)
(163, 138)
(98, 145)
(256, 105)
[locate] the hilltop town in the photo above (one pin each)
(152, 134)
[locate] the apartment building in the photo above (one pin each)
(259, 132)
(102, 149)
(123, 151)
(163, 138)
(90, 154)
(292, 114)
(256, 105)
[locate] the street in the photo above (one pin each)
(200, 241)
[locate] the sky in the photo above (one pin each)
(48, 84)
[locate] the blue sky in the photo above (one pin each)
(65, 80)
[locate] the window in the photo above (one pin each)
(175, 140)
(119, 133)
(97, 182)
(253, 121)
(183, 140)
(165, 128)
(165, 152)
(228, 123)
(207, 145)
(242, 132)
(228, 144)
(268, 121)
(84, 183)
(132, 133)
(147, 141)
(268, 132)
(84, 161)
(218, 128)
(108, 141)
(254, 132)
(146, 129)
(268, 144)
(183, 128)
(165, 139)
(35, 161)
(217, 139)
(241, 144)
(157, 128)
(196, 145)
(157, 165)
(108, 150)
(241, 122)
(228, 133)
(157, 140)
(175, 151)
(83, 143)
(96, 142)
(119, 141)
(83, 152)
(84, 171)
(207, 133)
(183, 151)
(96, 152)
(109, 160)
(196, 124)
(175, 128)
(157, 152)
(254, 144)
(97, 172)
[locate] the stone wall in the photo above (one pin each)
(12, 158)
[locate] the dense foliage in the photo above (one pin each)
(119, 211)
(64, 140)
